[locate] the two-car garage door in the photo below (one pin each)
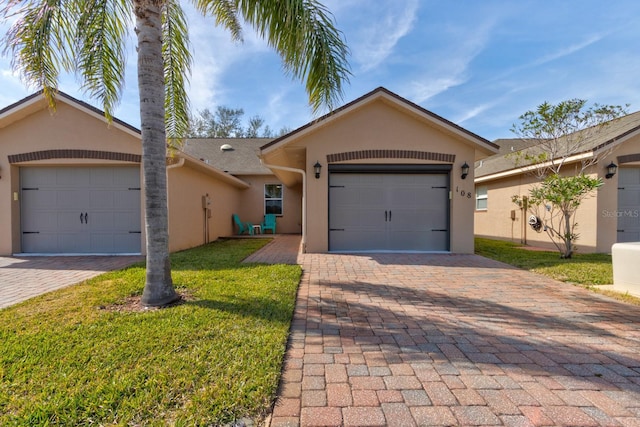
(377, 210)
(80, 210)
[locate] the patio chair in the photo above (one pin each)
(269, 223)
(243, 227)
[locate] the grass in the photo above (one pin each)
(583, 269)
(66, 360)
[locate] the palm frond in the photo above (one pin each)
(225, 13)
(38, 42)
(177, 65)
(100, 48)
(303, 32)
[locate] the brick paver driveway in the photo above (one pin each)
(406, 339)
(22, 278)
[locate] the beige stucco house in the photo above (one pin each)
(610, 215)
(379, 174)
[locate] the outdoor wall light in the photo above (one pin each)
(316, 168)
(611, 170)
(465, 171)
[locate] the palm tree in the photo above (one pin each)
(89, 37)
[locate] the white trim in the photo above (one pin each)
(523, 169)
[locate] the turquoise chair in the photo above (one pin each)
(269, 223)
(243, 227)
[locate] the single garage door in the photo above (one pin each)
(628, 205)
(401, 210)
(80, 210)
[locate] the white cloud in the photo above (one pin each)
(379, 35)
(427, 88)
(448, 65)
(568, 50)
(215, 55)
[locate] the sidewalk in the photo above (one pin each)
(22, 278)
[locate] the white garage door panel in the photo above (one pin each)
(628, 212)
(80, 210)
(394, 212)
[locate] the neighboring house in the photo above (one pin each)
(610, 215)
(388, 179)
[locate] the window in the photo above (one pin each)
(481, 198)
(273, 199)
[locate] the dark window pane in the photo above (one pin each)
(273, 191)
(273, 207)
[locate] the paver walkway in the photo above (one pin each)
(22, 278)
(408, 339)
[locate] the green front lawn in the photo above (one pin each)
(84, 356)
(584, 269)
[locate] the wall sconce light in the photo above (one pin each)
(611, 170)
(316, 168)
(465, 171)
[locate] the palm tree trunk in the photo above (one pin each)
(158, 289)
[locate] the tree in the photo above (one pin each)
(558, 135)
(226, 123)
(89, 37)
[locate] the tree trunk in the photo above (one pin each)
(568, 237)
(158, 288)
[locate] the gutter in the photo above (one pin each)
(179, 164)
(304, 197)
(523, 169)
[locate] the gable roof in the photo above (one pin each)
(480, 143)
(36, 102)
(239, 157)
(615, 132)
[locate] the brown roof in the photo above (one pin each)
(240, 156)
(504, 160)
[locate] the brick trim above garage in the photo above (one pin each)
(74, 154)
(629, 158)
(390, 154)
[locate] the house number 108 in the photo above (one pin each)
(464, 193)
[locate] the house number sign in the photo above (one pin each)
(464, 193)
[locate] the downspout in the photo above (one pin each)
(304, 197)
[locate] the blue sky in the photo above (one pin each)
(480, 64)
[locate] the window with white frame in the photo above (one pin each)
(481, 198)
(273, 199)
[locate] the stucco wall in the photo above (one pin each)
(67, 128)
(186, 187)
(596, 217)
(70, 128)
(496, 222)
(251, 207)
(380, 125)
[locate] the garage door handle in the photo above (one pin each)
(385, 216)
(86, 218)
(389, 216)
(81, 218)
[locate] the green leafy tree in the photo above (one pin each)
(561, 137)
(226, 123)
(88, 37)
